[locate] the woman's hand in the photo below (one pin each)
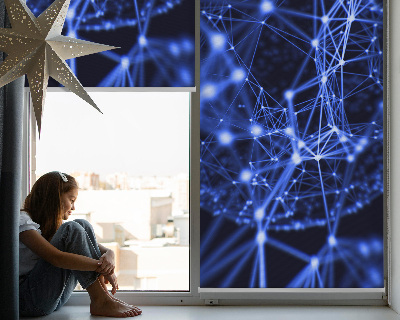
(112, 279)
(107, 263)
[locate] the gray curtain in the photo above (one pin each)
(11, 111)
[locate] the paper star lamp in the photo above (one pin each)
(35, 47)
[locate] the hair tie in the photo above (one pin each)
(63, 177)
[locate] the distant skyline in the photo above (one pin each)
(140, 133)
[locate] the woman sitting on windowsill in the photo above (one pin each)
(54, 256)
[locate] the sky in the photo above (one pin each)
(140, 133)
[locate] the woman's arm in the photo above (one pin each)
(65, 260)
(107, 260)
(103, 249)
(108, 264)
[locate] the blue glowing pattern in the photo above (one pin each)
(156, 40)
(291, 143)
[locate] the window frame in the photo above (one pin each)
(210, 296)
(28, 176)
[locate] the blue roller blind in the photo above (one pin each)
(156, 40)
(292, 138)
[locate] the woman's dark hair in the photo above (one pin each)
(43, 203)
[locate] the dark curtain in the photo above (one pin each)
(11, 111)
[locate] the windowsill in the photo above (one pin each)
(255, 297)
(241, 312)
(276, 298)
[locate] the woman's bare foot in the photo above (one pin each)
(102, 304)
(103, 284)
(111, 308)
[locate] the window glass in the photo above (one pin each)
(132, 166)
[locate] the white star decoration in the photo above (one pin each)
(35, 47)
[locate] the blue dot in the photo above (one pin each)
(246, 175)
(225, 138)
(218, 41)
(266, 6)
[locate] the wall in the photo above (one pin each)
(394, 119)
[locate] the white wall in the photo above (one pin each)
(394, 123)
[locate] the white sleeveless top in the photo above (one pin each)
(27, 258)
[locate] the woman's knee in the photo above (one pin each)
(73, 237)
(84, 223)
(71, 226)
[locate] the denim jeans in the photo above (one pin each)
(46, 288)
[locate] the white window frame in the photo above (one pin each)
(211, 296)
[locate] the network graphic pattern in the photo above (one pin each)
(157, 44)
(291, 142)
